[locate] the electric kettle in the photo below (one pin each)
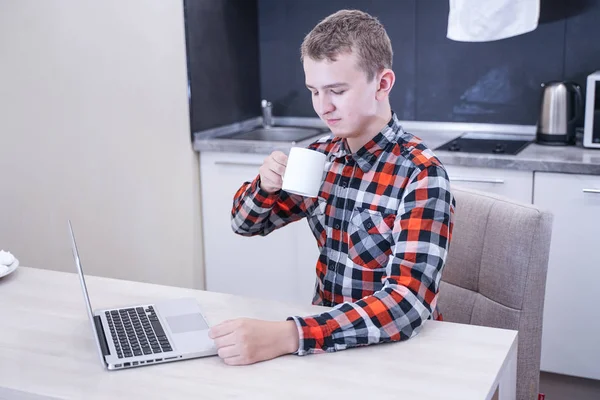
(561, 106)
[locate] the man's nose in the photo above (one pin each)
(326, 105)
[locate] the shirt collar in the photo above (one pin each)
(367, 155)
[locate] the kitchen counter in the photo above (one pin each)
(535, 157)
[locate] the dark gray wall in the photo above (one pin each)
(439, 79)
(223, 61)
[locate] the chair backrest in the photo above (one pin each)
(495, 274)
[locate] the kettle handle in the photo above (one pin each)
(578, 101)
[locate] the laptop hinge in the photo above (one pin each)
(101, 335)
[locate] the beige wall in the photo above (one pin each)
(94, 127)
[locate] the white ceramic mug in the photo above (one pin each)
(304, 172)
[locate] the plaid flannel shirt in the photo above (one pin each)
(382, 221)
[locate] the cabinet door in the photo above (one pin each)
(513, 184)
(571, 332)
(263, 267)
(308, 254)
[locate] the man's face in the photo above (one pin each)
(341, 95)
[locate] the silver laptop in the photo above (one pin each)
(147, 334)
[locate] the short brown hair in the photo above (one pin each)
(347, 31)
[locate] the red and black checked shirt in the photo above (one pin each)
(382, 221)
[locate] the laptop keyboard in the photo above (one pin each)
(137, 331)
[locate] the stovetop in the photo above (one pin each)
(490, 143)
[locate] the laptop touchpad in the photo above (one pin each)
(186, 323)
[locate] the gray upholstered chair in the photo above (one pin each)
(496, 274)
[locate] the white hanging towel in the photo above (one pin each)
(488, 20)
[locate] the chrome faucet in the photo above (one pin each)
(267, 113)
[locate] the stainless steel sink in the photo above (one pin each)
(277, 134)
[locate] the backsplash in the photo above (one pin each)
(438, 79)
(240, 51)
(223, 61)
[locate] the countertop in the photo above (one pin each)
(535, 157)
(48, 351)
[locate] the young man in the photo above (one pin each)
(383, 218)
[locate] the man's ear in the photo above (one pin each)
(385, 82)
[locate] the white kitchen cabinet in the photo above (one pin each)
(571, 332)
(279, 266)
(513, 184)
(308, 254)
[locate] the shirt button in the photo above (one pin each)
(337, 226)
(369, 225)
(344, 184)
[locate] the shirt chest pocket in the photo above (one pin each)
(370, 240)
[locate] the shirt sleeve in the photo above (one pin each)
(421, 236)
(257, 212)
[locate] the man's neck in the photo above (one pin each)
(377, 125)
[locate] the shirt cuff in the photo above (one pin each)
(314, 335)
(261, 197)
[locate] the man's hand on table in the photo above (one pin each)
(247, 341)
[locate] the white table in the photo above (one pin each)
(47, 351)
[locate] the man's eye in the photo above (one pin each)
(315, 93)
(340, 92)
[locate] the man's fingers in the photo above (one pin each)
(272, 170)
(228, 352)
(221, 329)
(224, 341)
(272, 179)
(279, 157)
(237, 360)
(269, 171)
(277, 168)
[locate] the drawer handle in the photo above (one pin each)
(591, 191)
(478, 180)
(237, 163)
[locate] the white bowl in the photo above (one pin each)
(10, 269)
